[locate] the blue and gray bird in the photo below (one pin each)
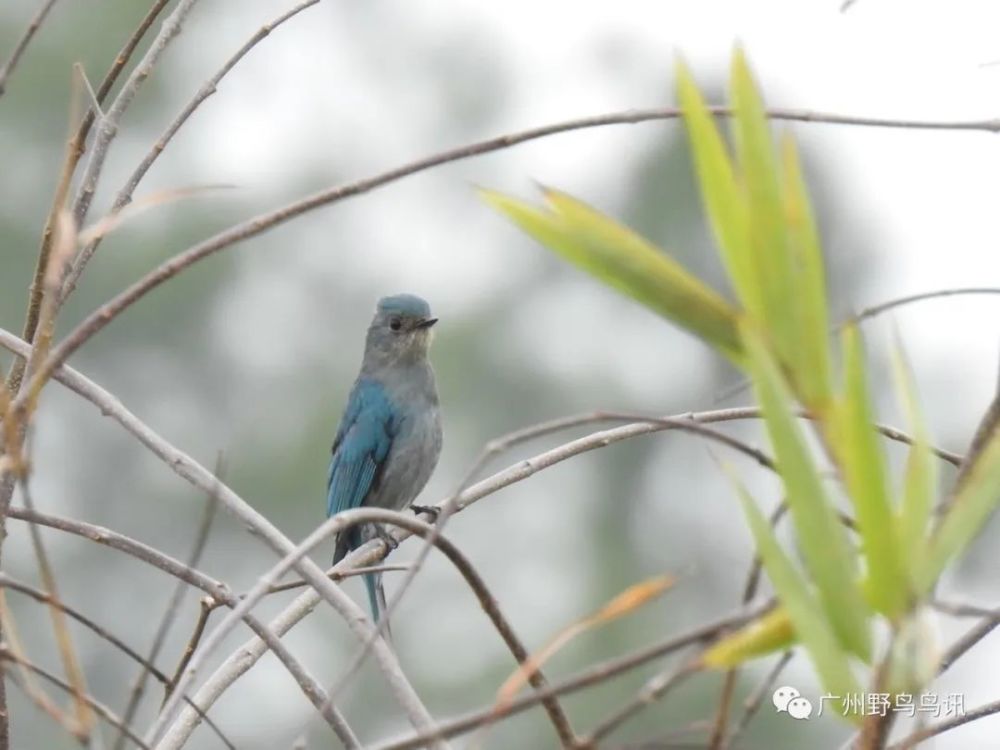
(389, 437)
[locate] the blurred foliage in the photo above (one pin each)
(757, 206)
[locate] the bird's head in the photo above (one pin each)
(400, 332)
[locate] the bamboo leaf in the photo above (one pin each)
(968, 510)
(862, 461)
(628, 262)
(921, 477)
(771, 261)
(812, 352)
(770, 632)
(815, 630)
(821, 537)
(727, 210)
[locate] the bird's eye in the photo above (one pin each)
(395, 324)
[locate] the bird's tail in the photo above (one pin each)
(376, 600)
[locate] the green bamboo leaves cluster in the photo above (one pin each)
(839, 579)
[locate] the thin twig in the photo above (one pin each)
(972, 636)
(488, 604)
(190, 470)
(593, 675)
(496, 447)
(718, 739)
(655, 689)
(124, 195)
(868, 313)
(871, 312)
(92, 704)
(40, 596)
(310, 687)
(334, 525)
(64, 640)
(74, 150)
(962, 609)
(22, 44)
(754, 701)
(97, 320)
(186, 467)
(173, 607)
(40, 698)
(934, 730)
(107, 126)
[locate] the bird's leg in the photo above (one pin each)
(428, 509)
(386, 537)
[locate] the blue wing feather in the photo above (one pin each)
(360, 447)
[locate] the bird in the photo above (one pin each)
(389, 438)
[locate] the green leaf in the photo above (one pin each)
(727, 210)
(771, 260)
(822, 539)
(628, 262)
(859, 450)
(812, 355)
(815, 630)
(770, 632)
(968, 510)
(921, 475)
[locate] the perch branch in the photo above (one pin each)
(124, 195)
(22, 44)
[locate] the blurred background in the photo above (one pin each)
(252, 352)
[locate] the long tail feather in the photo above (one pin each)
(376, 599)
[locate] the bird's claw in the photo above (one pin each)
(386, 537)
(428, 509)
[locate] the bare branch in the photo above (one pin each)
(22, 44)
(934, 730)
(655, 689)
(199, 477)
(488, 604)
(67, 652)
(124, 195)
(753, 702)
(102, 633)
(173, 607)
(107, 126)
(594, 675)
(99, 708)
(97, 320)
(445, 511)
(871, 312)
(310, 687)
(74, 150)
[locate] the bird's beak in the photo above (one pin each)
(426, 323)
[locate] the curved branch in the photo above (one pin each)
(655, 689)
(124, 195)
(22, 44)
(934, 730)
(594, 675)
(107, 124)
(871, 312)
(310, 687)
(198, 476)
(99, 708)
(170, 614)
(42, 598)
(497, 446)
(255, 225)
(489, 605)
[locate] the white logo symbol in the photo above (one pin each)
(789, 700)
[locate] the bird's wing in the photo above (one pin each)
(361, 446)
